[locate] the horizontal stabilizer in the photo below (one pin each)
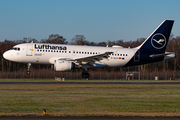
(163, 55)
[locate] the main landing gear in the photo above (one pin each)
(28, 71)
(84, 73)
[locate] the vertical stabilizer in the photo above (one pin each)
(158, 40)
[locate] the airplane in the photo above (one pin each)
(65, 57)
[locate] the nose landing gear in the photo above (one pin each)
(28, 71)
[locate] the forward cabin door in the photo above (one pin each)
(29, 50)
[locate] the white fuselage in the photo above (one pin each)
(46, 53)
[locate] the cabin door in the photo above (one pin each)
(29, 50)
(137, 56)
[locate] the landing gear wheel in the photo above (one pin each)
(28, 67)
(85, 75)
(27, 72)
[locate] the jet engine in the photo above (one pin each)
(63, 65)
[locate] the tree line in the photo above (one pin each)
(168, 65)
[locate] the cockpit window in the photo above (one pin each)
(15, 48)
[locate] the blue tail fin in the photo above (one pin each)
(158, 40)
(153, 48)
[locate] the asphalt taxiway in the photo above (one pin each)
(89, 118)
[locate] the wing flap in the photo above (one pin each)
(92, 59)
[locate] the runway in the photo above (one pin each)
(90, 118)
(128, 83)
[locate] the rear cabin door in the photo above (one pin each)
(137, 56)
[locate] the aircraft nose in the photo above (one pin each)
(6, 55)
(11, 56)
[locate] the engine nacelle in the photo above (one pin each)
(63, 65)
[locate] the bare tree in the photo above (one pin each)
(79, 40)
(55, 38)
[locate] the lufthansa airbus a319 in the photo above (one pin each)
(67, 57)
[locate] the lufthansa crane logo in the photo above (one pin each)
(158, 41)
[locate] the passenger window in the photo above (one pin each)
(69, 51)
(62, 51)
(65, 51)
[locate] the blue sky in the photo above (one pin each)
(97, 20)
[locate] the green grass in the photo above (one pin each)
(87, 99)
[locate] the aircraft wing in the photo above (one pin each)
(90, 60)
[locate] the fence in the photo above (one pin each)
(94, 75)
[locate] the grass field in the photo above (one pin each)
(89, 99)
